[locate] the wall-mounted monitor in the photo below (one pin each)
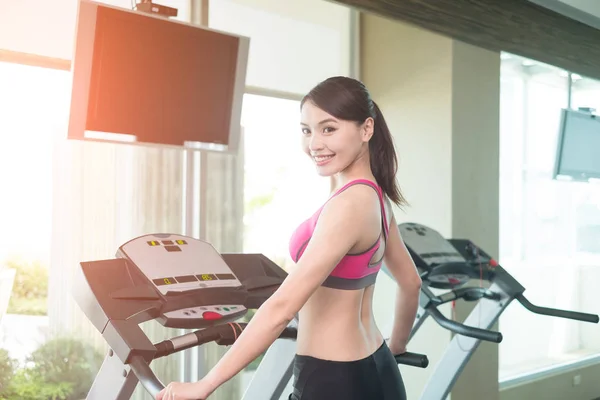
(146, 79)
(578, 147)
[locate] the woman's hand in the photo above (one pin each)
(185, 391)
(394, 348)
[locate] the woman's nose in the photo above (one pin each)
(315, 143)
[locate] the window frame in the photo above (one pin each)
(531, 175)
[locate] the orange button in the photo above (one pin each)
(210, 315)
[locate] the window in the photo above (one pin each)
(64, 202)
(33, 108)
(294, 44)
(281, 186)
(70, 202)
(549, 228)
(48, 28)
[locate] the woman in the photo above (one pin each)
(338, 252)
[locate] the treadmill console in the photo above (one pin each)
(445, 264)
(179, 281)
(428, 247)
(174, 263)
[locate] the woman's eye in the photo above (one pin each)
(329, 130)
(305, 131)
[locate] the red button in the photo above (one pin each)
(210, 315)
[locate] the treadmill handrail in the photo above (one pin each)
(154, 386)
(146, 376)
(412, 359)
(553, 312)
(220, 334)
(461, 329)
(472, 268)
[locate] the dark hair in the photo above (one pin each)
(348, 99)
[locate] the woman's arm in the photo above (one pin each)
(338, 229)
(401, 266)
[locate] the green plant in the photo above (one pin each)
(30, 289)
(66, 362)
(257, 202)
(28, 385)
(7, 370)
(60, 369)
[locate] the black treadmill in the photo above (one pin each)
(181, 282)
(450, 264)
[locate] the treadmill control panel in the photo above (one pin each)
(175, 263)
(429, 244)
(178, 281)
(209, 313)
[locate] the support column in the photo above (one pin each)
(475, 188)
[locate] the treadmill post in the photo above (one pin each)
(450, 264)
(114, 380)
(274, 372)
(461, 348)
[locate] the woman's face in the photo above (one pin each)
(331, 143)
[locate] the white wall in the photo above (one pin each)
(475, 187)
(589, 6)
(589, 276)
(415, 98)
(38, 27)
(294, 44)
(408, 72)
(47, 28)
(584, 11)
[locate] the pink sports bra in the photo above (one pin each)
(354, 271)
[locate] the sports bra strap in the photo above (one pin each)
(386, 228)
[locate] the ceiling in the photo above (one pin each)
(585, 11)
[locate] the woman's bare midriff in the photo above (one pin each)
(338, 325)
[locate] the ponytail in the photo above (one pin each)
(384, 163)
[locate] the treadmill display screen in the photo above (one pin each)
(164, 281)
(207, 277)
(186, 278)
(177, 263)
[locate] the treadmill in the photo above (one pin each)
(180, 282)
(442, 264)
(451, 264)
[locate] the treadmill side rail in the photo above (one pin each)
(461, 348)
(128, 339)
(274, 372)
(115, 380)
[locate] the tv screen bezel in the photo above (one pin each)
(559, 172)
(81, 70)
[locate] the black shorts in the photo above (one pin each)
(376, 377)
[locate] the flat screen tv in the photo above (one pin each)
(143, 78)
(578, 147)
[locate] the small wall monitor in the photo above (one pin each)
(578, 147)
(146, 79)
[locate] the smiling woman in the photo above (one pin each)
(337, 255)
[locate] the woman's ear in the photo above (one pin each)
(367, 128)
